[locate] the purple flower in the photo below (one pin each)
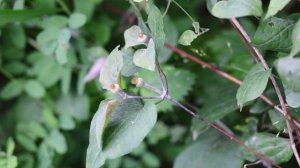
(95, 69)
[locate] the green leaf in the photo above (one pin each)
(210, 151)
(15, 67)
(296, 39)
(145, 58)
(95, 158)
(12, 89)
(47, 71)
(111, 69)
(10, 146)
(34, 89)
(129, 68)
(237, 8)
(57, 141)
(274, 148)
(61, 54)
(275, 6)
(253, 85)
(77, 20)
(288, 69)
(47, 40)
(14, 36)
(55, 21)
(76, 106)
(86, 8)
(274, 34)
(64, 37)
(156, 25)
(277, 120)
(187, 37)
(129, 123)
(130, 132)
(8, 16)
(134, 36)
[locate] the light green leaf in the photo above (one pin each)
(274, 148)
(61, 54)
(47, 40)
(156, 25)
(34, 89)
(275, 6)
(187, 37)
(86, 8)
(76, 106)
(129, 123)
(296, 39)
(129, 68)
(47, 71)
(138, 0)
(288, 69)
(128, 134)
(10, 146)
(134, 36)
(145, 58)
(57, 141)
(77, 20)
(64, 37)
(277, 120)
(66, 122)
(95, 158)
(55, 21)
(209, 151)
(237, 8)
(253, 85)
(274, 34)
(111, 69)
(12, 89)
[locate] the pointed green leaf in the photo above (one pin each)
(134, 36)
(253, 85)
(274, 148)
(129, 67)
(12, 89)
(111, 69)
(145, 58)
(95, 157)
(237, 8)
(187, 37)
(275, 6)
(296, 39)
(34, 89)
(288, 69)
(77, 20)
(274, 34)
(156, 25)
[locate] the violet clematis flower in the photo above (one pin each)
(95, 69)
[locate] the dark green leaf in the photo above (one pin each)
(274, 148)
(296, 39)
(210, 151)
(274, 34)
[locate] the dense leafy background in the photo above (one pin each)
(47, 98)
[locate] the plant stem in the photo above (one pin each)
(216, 127)
(257, 53)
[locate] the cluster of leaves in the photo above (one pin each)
(48, 95)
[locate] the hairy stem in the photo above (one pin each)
(258, 54)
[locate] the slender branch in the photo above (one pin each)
(247, 38)
(215, 126)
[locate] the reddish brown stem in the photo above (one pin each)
(257, 54)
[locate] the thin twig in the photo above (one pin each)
(258, 54)
(216, 127)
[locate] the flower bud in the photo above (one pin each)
(114, 88)
(138, 82)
